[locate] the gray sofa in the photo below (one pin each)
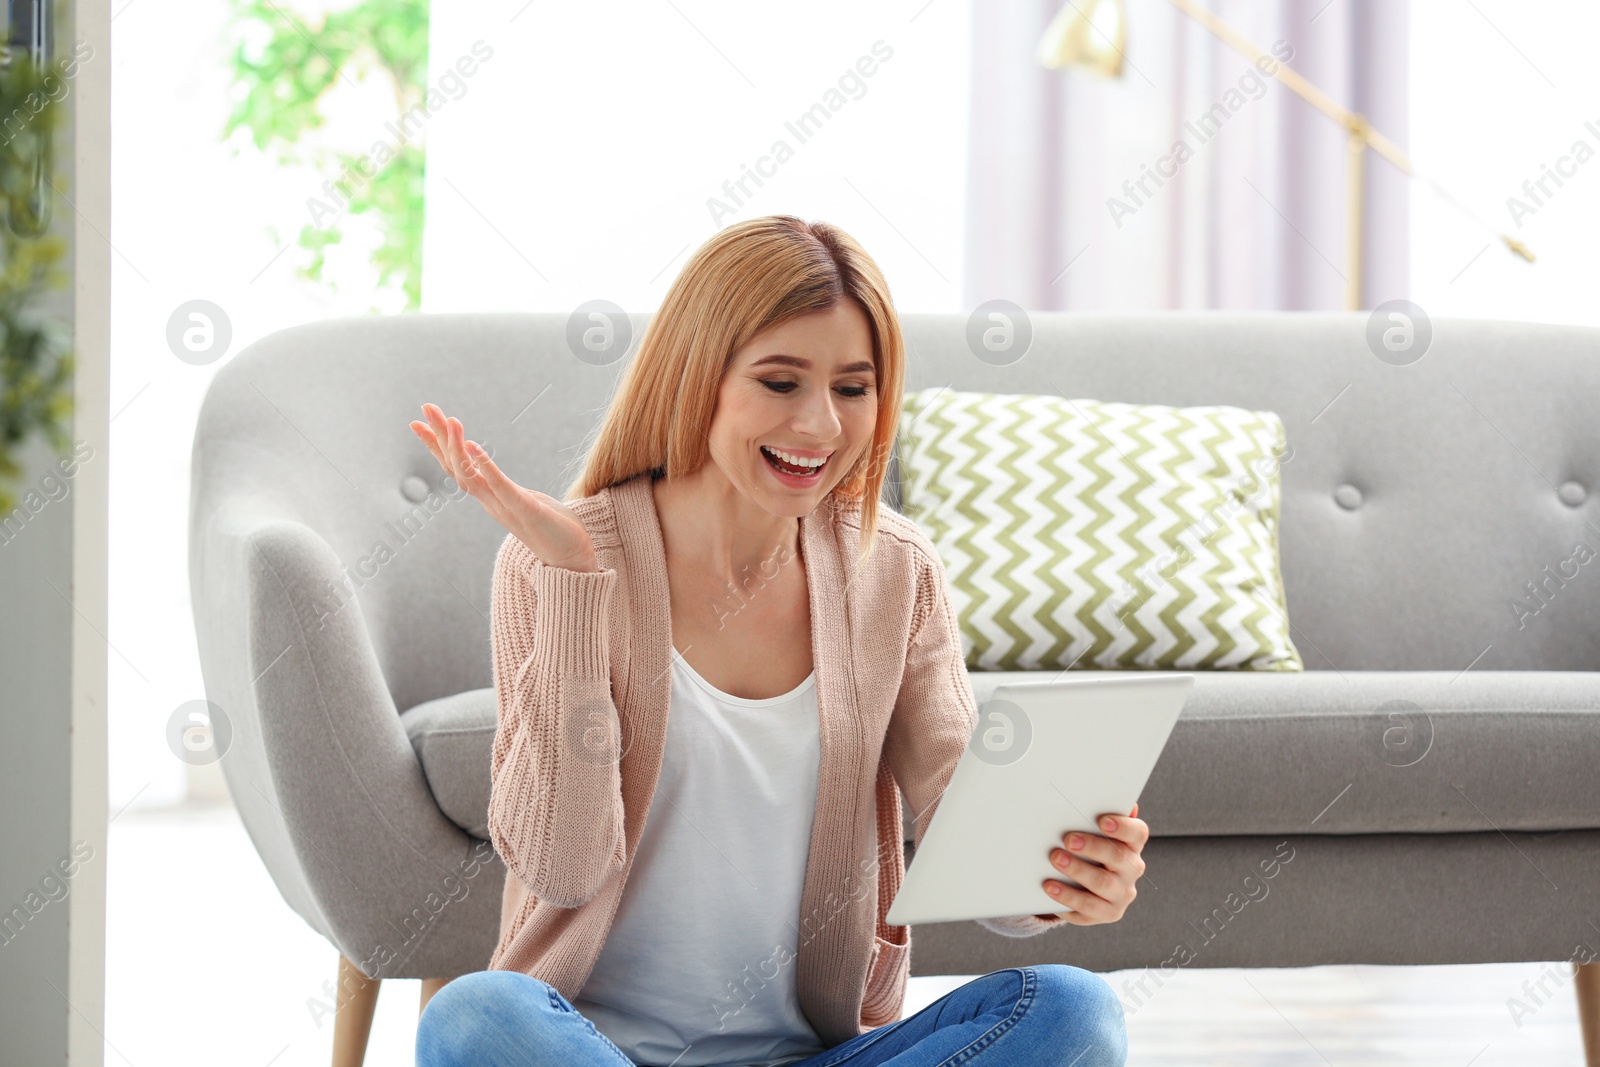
(1432, 772)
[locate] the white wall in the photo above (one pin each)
(578, 163)
(1501, 88)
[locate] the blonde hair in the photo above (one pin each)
(746, 278)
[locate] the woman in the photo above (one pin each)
(709, 886)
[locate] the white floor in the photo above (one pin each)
(206, 965)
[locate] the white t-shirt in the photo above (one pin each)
(698, 967)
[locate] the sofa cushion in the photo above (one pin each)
(1313, 752)
(453, 737)
(1102, 534)
(1352, 752)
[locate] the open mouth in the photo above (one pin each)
(794, 466)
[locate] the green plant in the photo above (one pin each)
(287, 68)
(36, 360)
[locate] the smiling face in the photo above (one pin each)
(796, 408)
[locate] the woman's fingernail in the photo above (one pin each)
(1053, 888)
(1075, 842)
(1108, 823)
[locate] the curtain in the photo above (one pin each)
(1194, 180)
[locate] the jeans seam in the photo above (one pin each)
(558, 1004)
(877, 1035)
(1030, 982)
(978, 1044)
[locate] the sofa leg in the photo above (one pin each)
(352, 1017)
(1588, 986)
(430, 986)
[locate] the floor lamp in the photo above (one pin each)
(1092, 34)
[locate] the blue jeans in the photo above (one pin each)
(1049, 1015)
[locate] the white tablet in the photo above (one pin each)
(1045, 758)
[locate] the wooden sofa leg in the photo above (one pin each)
(430, 986)
(1588, 986)
(352, 1017)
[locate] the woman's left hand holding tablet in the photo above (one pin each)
(1106, 865)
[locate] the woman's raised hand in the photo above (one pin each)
(548, 527)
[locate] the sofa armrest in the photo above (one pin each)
(319, 764)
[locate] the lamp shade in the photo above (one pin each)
(1086, 35)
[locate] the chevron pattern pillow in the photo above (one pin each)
(1087, 533)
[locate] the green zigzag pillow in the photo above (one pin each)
(1087, 533)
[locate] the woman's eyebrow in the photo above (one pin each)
(796, 361)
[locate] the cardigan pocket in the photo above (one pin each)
(884, 995)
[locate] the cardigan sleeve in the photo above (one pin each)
(555, 799)
(933, 718)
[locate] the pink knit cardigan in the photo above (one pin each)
(582, 678)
